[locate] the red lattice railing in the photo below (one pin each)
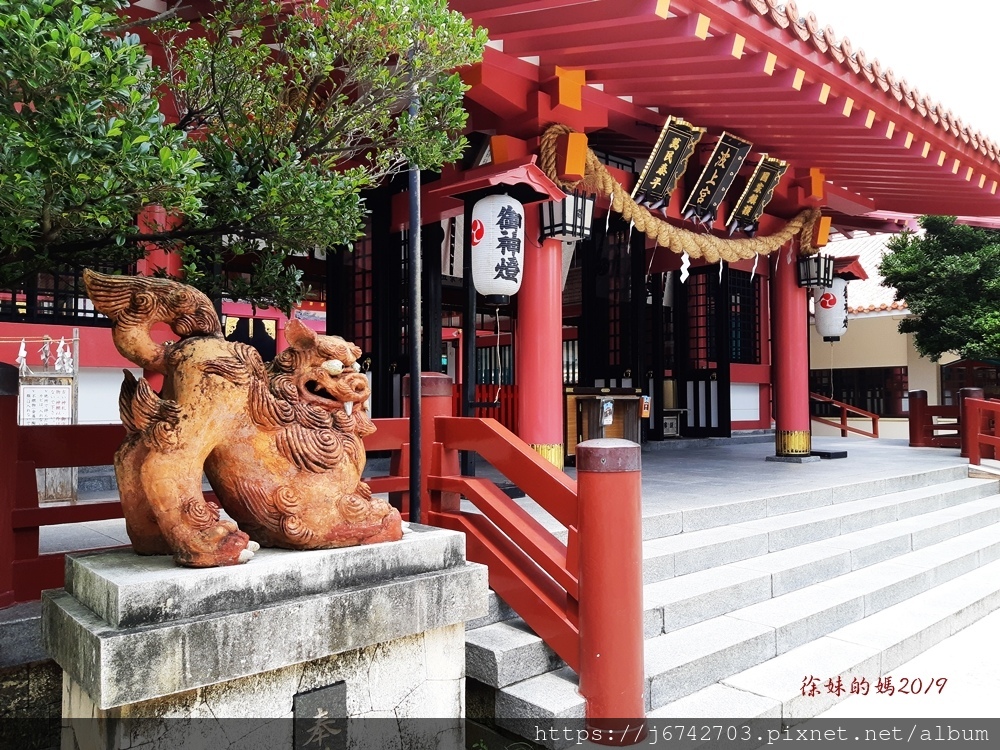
(845, 411)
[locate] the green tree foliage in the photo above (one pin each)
(83, 145)
(293, 109)
(950, 279)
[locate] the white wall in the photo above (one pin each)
(97, 394)
(924, 375)
(744, 400)
(869, 342)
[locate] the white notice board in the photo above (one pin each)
(45, 404)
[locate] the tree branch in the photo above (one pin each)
(146, 22)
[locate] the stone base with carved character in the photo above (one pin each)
(325, 647)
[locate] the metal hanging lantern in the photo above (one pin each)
(497, 238)
(816, 271)
(569, 219)
(830, 308)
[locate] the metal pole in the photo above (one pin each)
(9, 384)
(76, 381)
(415, 340)
(468, 459)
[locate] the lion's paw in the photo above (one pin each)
(218, 545)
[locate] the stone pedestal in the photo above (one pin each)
(330, 648)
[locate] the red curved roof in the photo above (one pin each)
(752, 67)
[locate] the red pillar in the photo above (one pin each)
(790, 358)
(153, 219)
(918, 406)
(609, 487)
(539, 346)
(436, 400)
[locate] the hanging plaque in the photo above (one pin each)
(667, 162)
(716, 178)
(756, 195)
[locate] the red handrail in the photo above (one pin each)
(504, 396)
(530, 569)
(926, 432)
(980, 429)
(542, 578)
(844, 410)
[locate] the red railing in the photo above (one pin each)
(925, 429)
(24, 570)
(583, 597)
(846, 409)
(505, 411)
(980, 429)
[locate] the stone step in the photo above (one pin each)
(793, 619)
(508, 652)
(685, 661)
(503, 653)
(693, 551)
(865, 650)
(741, 511)
(685, 600)
(498, 611)
(670, 523)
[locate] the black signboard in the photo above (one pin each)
(667, 162)
(758, 193)
(716, 178)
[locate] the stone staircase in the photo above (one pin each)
(847, 582)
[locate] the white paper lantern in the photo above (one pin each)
(497, 235)
(831, 309)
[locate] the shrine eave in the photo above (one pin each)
(616, 69)
(521, 178)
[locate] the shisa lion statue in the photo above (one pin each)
(281, 443)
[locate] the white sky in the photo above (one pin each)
(950, 51)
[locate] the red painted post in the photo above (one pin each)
(790, 323)
(612, 677)
(918, 417)
(969, 422)
(539, 346)
(8, 473)
(435, 401)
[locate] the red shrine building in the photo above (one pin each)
(722, 140)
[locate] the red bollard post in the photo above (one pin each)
(436, 400)
(612, 677)
(9, 380)
(918, 404)
(969, 421)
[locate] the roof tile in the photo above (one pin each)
(868, 296)
(824, 40)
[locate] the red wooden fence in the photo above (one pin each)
(980, 429)
(505, 411)
(925, 429)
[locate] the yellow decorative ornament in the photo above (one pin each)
(695, 244)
